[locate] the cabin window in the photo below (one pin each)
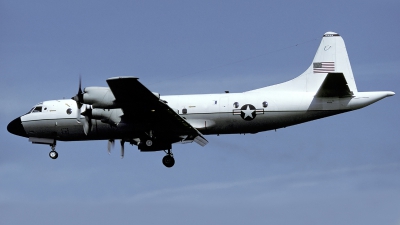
(265, 104)
(236, 104)
(184, 110)
(69, 111)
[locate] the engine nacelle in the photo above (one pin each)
(102, 97)
(112, 117)
(99, 97)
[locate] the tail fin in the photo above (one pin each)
(331, 58)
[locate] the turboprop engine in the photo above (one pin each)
(100, 105)
(109, 116)
(102, 97)
(112, 117)
(99, 97)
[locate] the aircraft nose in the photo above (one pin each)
(15, 127)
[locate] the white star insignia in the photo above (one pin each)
(248, 113)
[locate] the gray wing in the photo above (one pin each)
(141, 106)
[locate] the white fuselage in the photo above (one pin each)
(229, 113)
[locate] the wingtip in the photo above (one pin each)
(201, 140)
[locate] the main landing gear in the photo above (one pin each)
(150, 143)
(168, 160)
(53, 154)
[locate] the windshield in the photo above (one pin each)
(36, 108)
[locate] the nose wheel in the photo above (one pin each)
(168, 160)
(53, 154)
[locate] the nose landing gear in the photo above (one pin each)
(53, 154)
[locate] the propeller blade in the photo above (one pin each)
(78, 98)
(78, 113)
(110, 145)
(87, 126)
(80, 84)
(122, 149)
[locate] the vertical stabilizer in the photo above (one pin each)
(331, 57)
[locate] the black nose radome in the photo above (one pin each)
(15, 127)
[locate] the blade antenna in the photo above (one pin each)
(122, 149)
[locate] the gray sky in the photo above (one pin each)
(340, 170)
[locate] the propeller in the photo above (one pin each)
(122, 149)
(110, 145)
(87, 126)
(78, 98)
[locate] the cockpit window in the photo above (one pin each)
(37, 109)
(29, 111)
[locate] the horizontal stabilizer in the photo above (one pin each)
(334, 85)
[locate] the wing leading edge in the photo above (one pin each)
(141, 105)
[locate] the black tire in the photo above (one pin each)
(168, 161)
(53, 155)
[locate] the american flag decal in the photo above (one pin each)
(324, 67)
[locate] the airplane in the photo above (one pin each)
(128, 111)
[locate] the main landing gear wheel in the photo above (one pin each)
(149, 142)
(168, 161)
(53, 154)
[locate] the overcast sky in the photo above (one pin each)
(339, 170)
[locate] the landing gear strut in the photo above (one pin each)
(53, 154)
(168, 160)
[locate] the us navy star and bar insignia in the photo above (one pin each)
(248, 112)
